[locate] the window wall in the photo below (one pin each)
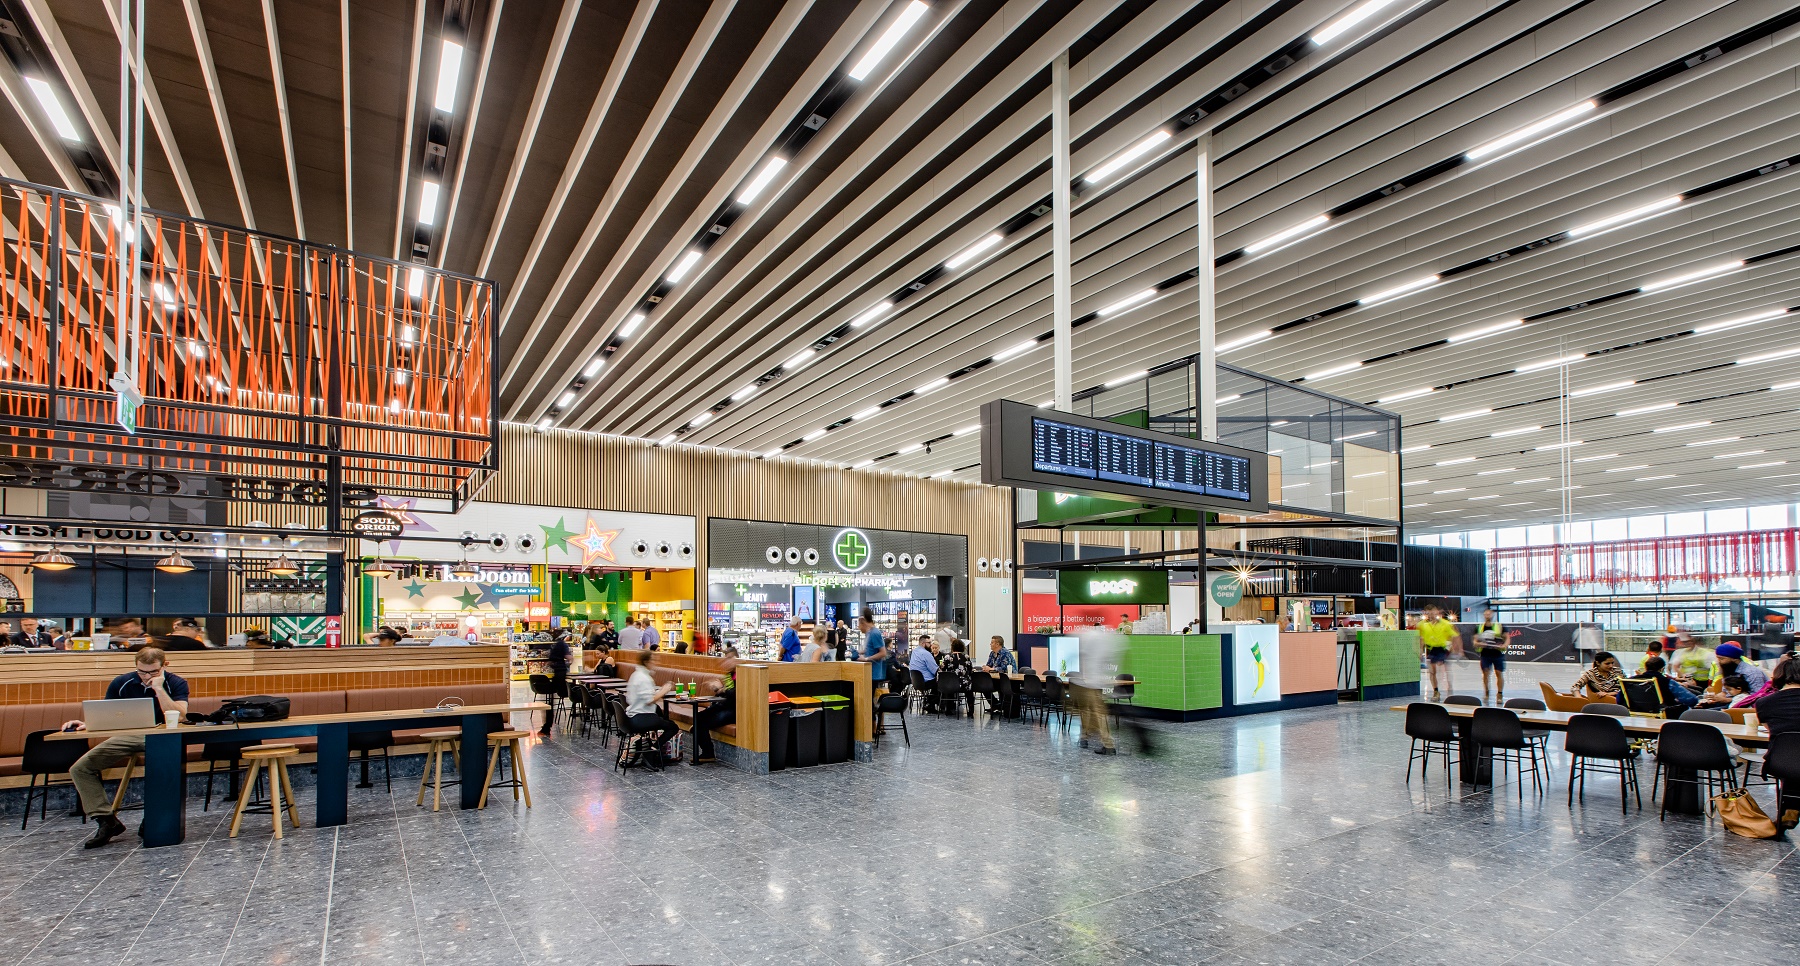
(1735, 520)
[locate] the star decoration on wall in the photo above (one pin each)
(410, 521)
(469, 598)
(595, 542)
(414, 589)
(490, 594)
(557, 535)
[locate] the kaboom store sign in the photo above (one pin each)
(561, 537)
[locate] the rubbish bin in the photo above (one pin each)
(781, 742)
(836, 736)
(804, 729)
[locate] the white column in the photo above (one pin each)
(1203, 290)
(1061, 303)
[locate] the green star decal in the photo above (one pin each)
(558, 535)
(414, 589)
(468, 598)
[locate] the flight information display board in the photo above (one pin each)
(1101, 456)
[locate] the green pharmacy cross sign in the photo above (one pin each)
(851, 549)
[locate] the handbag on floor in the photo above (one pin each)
(1742, 815)
(638, 751)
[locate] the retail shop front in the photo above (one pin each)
(760, 575)
(514, 573)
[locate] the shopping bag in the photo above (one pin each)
(1742, 815)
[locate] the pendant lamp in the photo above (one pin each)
(52, 559)
(379, 568)
(175, 563)
(464, 570)
(283, 567)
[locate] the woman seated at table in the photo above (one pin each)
(1602, 679)
(956, 665)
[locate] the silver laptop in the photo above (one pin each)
(117, 714)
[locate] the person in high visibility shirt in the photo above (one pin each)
(1437, 635)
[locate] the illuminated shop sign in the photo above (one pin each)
(1113, 587)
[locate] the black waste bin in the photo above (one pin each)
(804, 729)
(781, 741)
(836, 738)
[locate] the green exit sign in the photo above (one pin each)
(1112, 587)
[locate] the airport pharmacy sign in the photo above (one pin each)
(1112, 587)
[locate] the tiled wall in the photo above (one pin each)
(1176, 672)
(1388, 657)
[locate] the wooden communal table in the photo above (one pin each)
(165, 756)
(1681, 796)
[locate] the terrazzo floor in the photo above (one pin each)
(1280, 838)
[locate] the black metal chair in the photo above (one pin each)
(1429, 725)
(885, 705)
(367, 745)
(581, 708)
(1535, 734)
(1699, 748)
(46, 759)
(1782, 763)
(1031, 693)
(1645, 698)
(1601, 738)
(1707, 714)
(1607, 708)
(918, 690)
(950, 695)
(1056, 699)
(1501, 737)
(1463, 699)
(987, 687)
(1009, 694)
(543, 688)
(1125, 689)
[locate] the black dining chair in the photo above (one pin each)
(920, 691)
(1781, 762)
(885, 705)
(1432, 732)
(1707, 714)
(1031, 692)
(1606, 708)
(543, 688)
(1534, 734)
(1009, 695)
(581, 708)
(373, 745)
(46, 759)
(230, 755)
(1056, 699)
(1501, 737)
(1463, 699)
(1125, 689)
(987, 687)
(1645, 698)
(1595, 738)
(1699, 748)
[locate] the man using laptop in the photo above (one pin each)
(167, 692)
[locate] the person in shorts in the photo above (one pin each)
(1436, 636)
(1490, 644)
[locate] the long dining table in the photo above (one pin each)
(165, 758)
(1682, 796)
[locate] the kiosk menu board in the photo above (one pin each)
(1082, 453)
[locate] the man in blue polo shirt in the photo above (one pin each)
(168, 692)
(874, 651)
(790, 641)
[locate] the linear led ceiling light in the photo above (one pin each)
(800, 358)
(1721, 326)
(593, 368)
(968, 254)
(871, 315)
(966, 430)
(1128, 377)
(1551, 363)
(761, 181)
(1769, 356)
(449, 68)
(1125, 157)
(815, 434)
(428, 199)
(631, 325)
(415, 281)
(1026, 346)
(1129, 301)
(1222, 400)
(1568, 445)
(701, 419)
(1457, 461)
(889, 37)
(1509, 469)
(1336, 28)
(865, 414)
(1605, 225)
(1605, 387)
(745, 393)
(932, 386)
(1529, 131)
(543, 424)
(771, 454)
(1678, 428)
(1597, 456)
(53, 109)
(1471, 414)
(1520, 431)
(1336, 370)
(1692, 277)
(666, 440)
(687, 263)
(1715, 442)
(563, 401)
(1282, 238)
(1367, 432)
(1399, 290)
(1486, 331)
(1409, 394)
(1243, 341)
(1639, 411)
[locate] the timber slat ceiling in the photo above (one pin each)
(605, 137)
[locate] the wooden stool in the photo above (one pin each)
(442, 743)
(131, 765)
(508, 740)
(281, 787)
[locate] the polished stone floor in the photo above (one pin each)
(1283, 838)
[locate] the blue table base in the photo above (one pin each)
(165, 765)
